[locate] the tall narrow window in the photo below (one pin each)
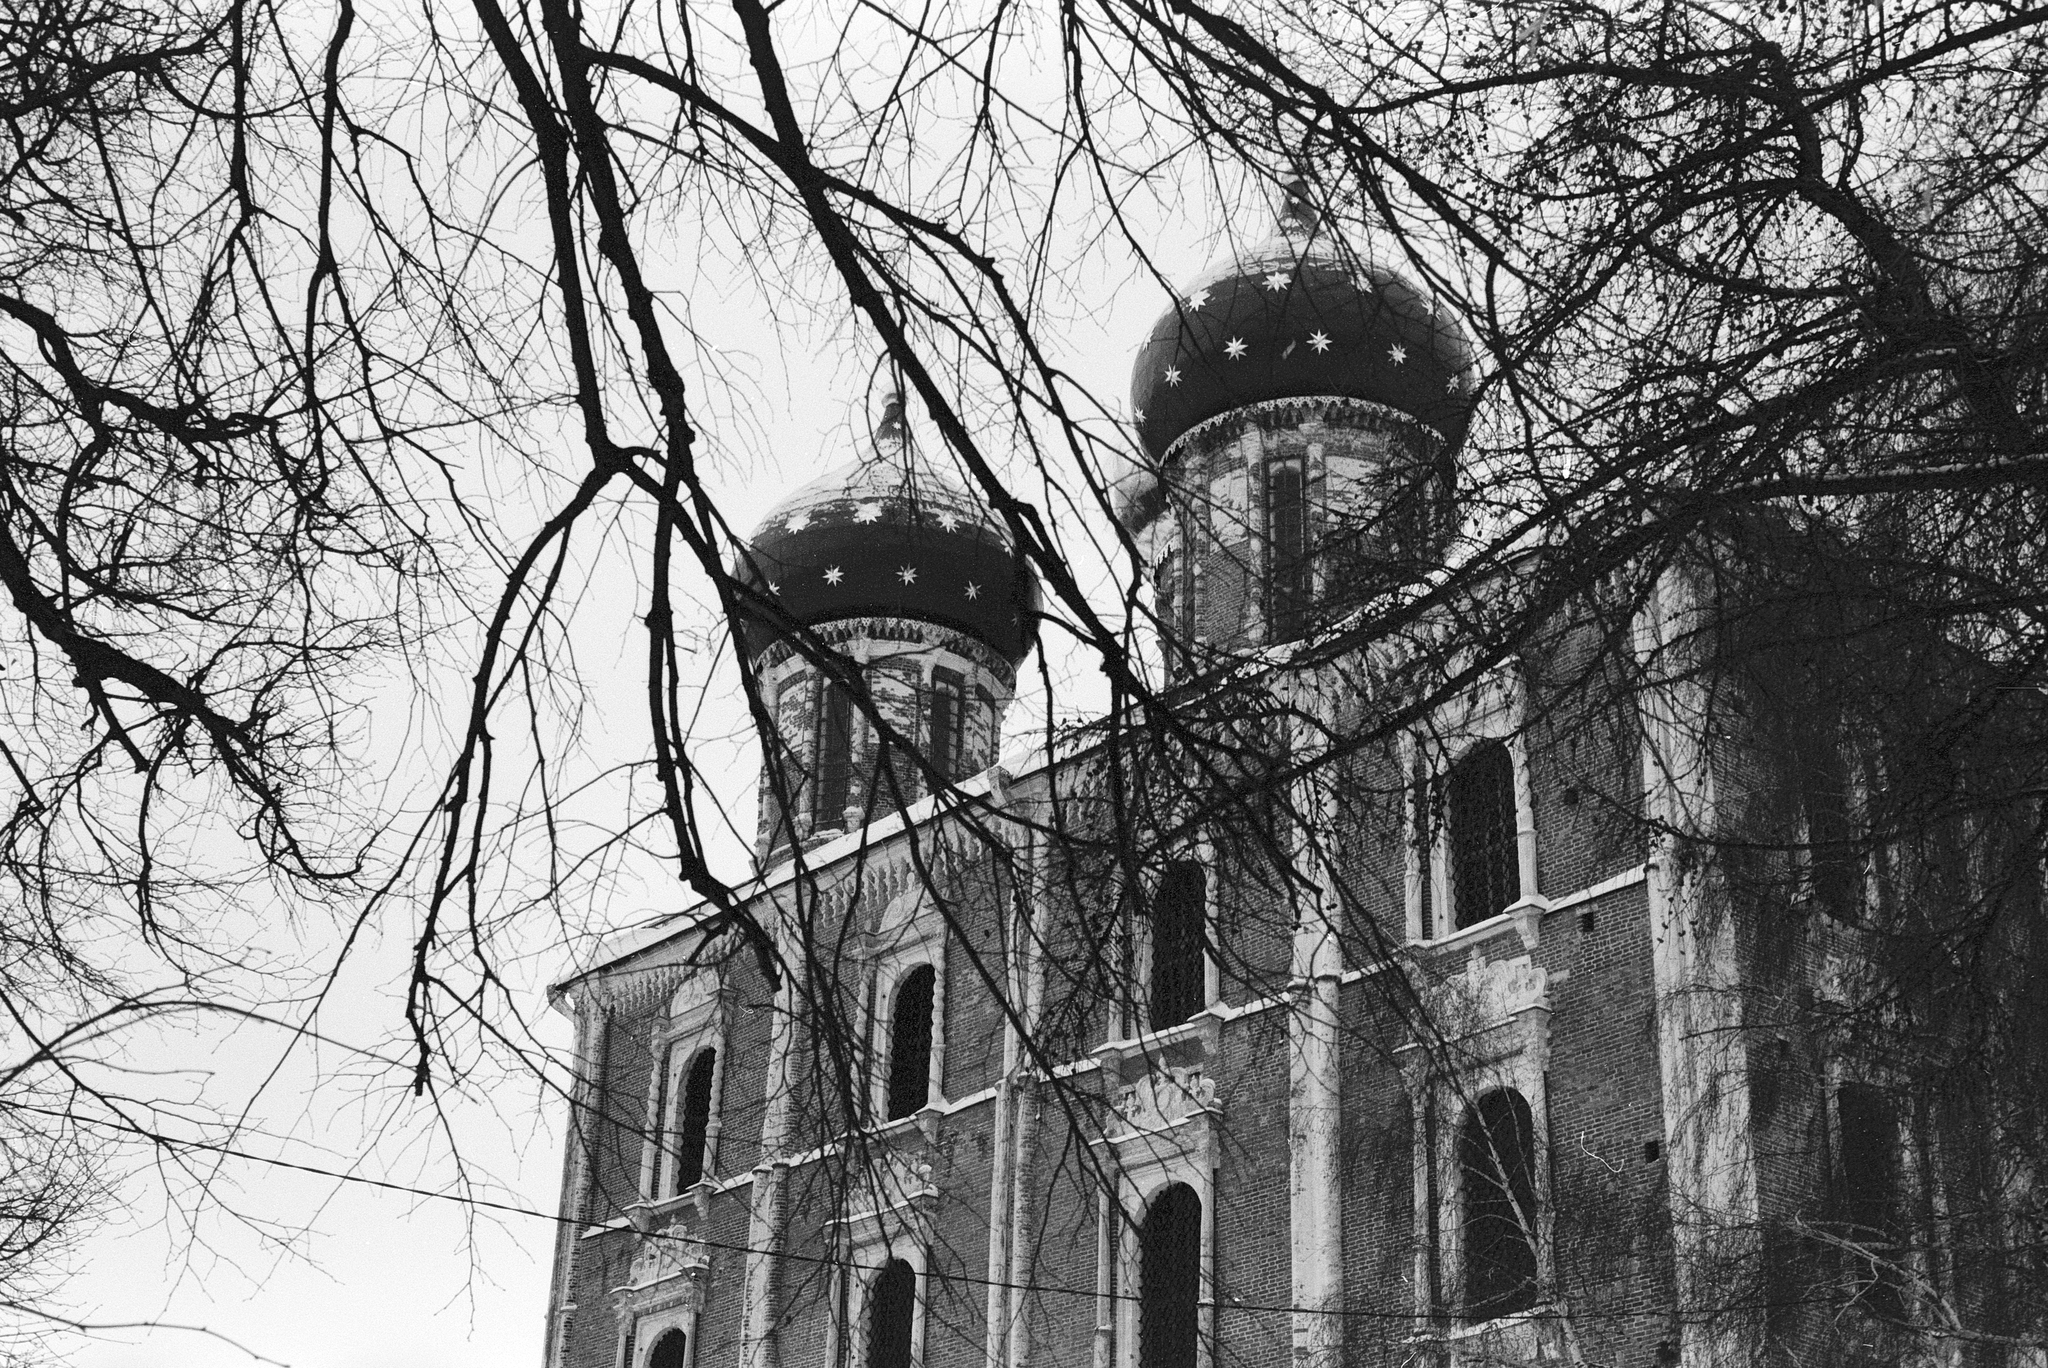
(1485, 869)
(948, 718)
(1497, 1161)
(1834, 864)
(1287, 559)
(1869, 1131)
(1170, 1280)
(1166, 595)
(835, 756)
(1179, 971)
(693, 1129)
(910, 1043)
(1424, 797)
(672, 1350)
(892, 1316)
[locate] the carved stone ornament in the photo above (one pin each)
(1495, 1010)
(671, 1268)
(893, 1200)
(1163, 1098)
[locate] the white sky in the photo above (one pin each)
(376, 1279)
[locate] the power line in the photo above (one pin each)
(793, 1256)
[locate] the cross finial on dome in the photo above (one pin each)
(891, 431)
(1297, 214)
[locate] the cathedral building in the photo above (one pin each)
(1457, 1048)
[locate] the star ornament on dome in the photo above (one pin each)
(833, 574)
(948, 521)
(1173, 375)
(867, 513)
(798, 522)
(1277, 280)
(1234, 349)
(1397, 354)
(908, 574)
(1198, 299)
(1451, 385)
(1319, 341)
(973, 591)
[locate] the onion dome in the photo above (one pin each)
(890, 537)
(1300, 316)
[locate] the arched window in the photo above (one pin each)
(1485, 868)
(835, 756)
(672, 1350)
(1179, 973)
(892, 1316)
(1289, 573)
(910, 1043)
(947, 724)
(1170, 1279)
(1869, 1131)
(693, 1126)
(1497, 1158)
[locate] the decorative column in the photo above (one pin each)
(765, 1217)
(1314, 1093)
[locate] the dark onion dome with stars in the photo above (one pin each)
(1300, 316)
(889, 537)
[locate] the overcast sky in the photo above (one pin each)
(346, 1275)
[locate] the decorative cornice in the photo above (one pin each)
(1296, 408)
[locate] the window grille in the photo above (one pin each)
(1485, 867)
(1287, 552)
(1170, 1280)
(834, 755)
(1497, 1159)
(910, 1043)
(694, 1132)
(672, 1350)
(948, 700)
(892, 1313)
(1179, 971)
(1869, 1140)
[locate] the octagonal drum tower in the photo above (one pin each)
(912, 583)
(1299, 410)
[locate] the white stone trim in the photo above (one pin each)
(1494, 710)
(1493, 1028)
(909, 933)
(1166, 1133)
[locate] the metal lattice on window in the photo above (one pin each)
(1485, 869)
